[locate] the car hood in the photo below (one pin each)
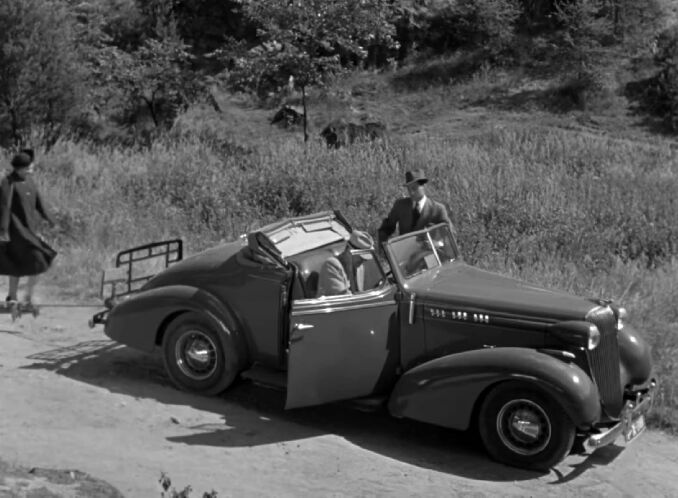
(465, 286)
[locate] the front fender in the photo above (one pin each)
(139, 321)
(445, 391)
(635, 357)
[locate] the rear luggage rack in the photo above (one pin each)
(124, 280)
(133, 268)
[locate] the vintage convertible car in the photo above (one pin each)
(427, 336)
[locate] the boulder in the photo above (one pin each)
(340, 133)
(288, 116)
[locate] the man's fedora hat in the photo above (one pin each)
(416, 175)
(21, 160)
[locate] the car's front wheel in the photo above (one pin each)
(524, 427)
(197, 357)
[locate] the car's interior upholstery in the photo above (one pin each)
(308, 269)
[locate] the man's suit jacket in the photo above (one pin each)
(401, 215)
(332, 279)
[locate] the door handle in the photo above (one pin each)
(299, 327)
(302, 326)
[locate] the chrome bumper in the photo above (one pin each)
(630, 413)
(98, 319)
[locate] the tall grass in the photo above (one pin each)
(581, 213)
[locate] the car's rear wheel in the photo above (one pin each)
(197, 357)
(524, 427)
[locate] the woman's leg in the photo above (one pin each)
(30, 286)
(13, 289)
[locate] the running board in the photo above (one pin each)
(368, 404)
(266, 377)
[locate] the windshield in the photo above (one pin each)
(423, 250)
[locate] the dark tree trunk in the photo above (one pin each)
(303, 103)
(150, 103)
(16, 136)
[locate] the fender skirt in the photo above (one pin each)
(445, 391)
(139, 321)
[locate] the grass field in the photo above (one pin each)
(556, 205)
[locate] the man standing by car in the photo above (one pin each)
(414, 212)
(342, 274)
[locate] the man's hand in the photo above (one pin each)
(4, 237)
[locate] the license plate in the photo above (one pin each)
(634, 429)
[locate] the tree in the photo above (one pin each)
(445, 25)
(41, 77)
(305, 41)
(157, 75)
(585, 28)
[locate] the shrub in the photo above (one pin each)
(445, 26)
(42, 79)
(666, 86)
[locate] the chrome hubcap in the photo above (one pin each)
(196, 355)
(524, 427)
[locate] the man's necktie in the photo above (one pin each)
(415, 216)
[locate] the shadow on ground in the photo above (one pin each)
(254, 416)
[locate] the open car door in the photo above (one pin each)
(342, 347)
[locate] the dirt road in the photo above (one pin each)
(73, 403)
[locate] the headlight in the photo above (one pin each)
(594, 337)
(621, 316)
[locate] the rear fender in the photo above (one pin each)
(445, 391)
(140, 321)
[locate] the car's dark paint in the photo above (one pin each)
(492, 309)
(635, 357)
(465, 286)
(252, 289)
(444, 391)
(342, 347)
(446, 335)
(139, 322)
(573, 332)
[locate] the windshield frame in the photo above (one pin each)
(397, 264)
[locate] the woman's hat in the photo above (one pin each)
(361, 240)
(22, 160)
(416, 175)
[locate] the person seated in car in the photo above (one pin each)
(343, 274)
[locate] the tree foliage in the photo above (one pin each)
(443, 25)
(142, 81)
(157, 74)
(585, 28)
(666, 58)
(303, 42)
(41, 77)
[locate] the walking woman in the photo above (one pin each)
(23, 253)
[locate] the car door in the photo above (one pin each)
(342, 347)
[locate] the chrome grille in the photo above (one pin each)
(604, 360)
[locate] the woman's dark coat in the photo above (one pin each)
(20, 207)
